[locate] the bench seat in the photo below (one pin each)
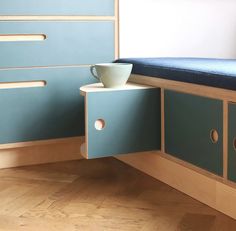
(219, 73)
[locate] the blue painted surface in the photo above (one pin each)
(54, 111)
(57, 7)
(189, 120)
(67, 43)
(231, 137)
(132, 122)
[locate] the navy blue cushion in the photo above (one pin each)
(211, 72)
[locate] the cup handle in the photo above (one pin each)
(92, 68)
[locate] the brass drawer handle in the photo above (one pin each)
(214, 136)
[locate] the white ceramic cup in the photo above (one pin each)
(112, 74)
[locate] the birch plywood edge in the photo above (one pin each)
(98, 87)
(189, 88)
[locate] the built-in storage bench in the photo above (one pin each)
(121, 120)
(198, 127)
(198, 109)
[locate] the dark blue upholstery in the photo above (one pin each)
(211, 72)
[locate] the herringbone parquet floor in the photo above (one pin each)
(102, 194)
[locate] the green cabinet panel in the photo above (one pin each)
(53, 111)
(232, 142)
(132, 122)
(189, 121)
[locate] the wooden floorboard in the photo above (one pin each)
(102, 194)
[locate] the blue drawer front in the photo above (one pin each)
(53, 111)
(57, 7)
(66, 43)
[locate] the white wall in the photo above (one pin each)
(197, 28)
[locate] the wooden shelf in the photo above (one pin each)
(98, 87)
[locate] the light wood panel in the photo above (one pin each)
(36, 152)
(117, 29)
(196, 89)
(197, 183)
(85, 145)
(101, 194)
(46, 67)
(98, 87)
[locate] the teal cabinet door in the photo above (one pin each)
(131, 120)
(232, 142)
(193, 130)
(53, 111)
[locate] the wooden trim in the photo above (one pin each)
(85, 146)
(98, 87)
(22, 84)
(225, 139)
(209, 189)
(56, 18)
(41, 142)
(43, 67)
(117, 29)
(162, 120)
(38, 152)
(192, 167)
(194, 89)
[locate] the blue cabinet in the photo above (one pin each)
(61, 58)
(57, 7)
(53, 111)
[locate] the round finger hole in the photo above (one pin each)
(214, 136)
(234, 143)
(99, 124)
